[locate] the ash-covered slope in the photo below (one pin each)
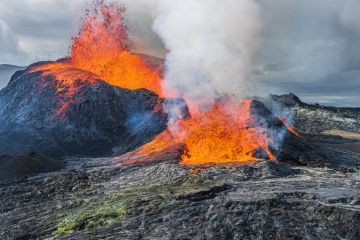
(6, 71)
(87, 117)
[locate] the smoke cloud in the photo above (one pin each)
(307, 47)
(210, 45)
(139, 16)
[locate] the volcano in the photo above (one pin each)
(99, 97)
(71, 111)
(108, 143)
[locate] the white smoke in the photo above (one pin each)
(139, 16)
(210, 44)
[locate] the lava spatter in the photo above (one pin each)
(102, 50)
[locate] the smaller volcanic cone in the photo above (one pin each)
(231, 131)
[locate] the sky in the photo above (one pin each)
(307, 47)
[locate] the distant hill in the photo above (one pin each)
(6, 71)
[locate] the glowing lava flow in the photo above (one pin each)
(102, 48)
(226, 133)
(291, 129)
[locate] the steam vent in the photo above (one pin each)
(154, 124)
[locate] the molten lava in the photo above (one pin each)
(160, 142)
(103, 49)
(289, 128)
(226, 133)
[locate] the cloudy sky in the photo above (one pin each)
(307, 47)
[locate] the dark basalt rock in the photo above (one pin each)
(287, 100)
(291, 148)
(28, 164)
(297, 151)
(99, 116)
(263, 116)
(315, 118)
(313, 121)
(204, 195)
(165, 201)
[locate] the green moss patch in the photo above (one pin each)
(110, 207)
(92, 217)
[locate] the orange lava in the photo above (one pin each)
(67, 84)
(226, 133)
(160, 142)
(103, 49)
(291, 129)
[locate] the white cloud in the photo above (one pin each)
(351, 14)
(10, 47)
(41, 28)
(304, 42)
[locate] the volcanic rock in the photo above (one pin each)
(87, 118)
(330, 131)
(94, 198)
(287, 100)
(265, 200)
(290, 147)
(28, 164)
(314, 118)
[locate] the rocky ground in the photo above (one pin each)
(96, 198)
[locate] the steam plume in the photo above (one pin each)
(210, 46)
